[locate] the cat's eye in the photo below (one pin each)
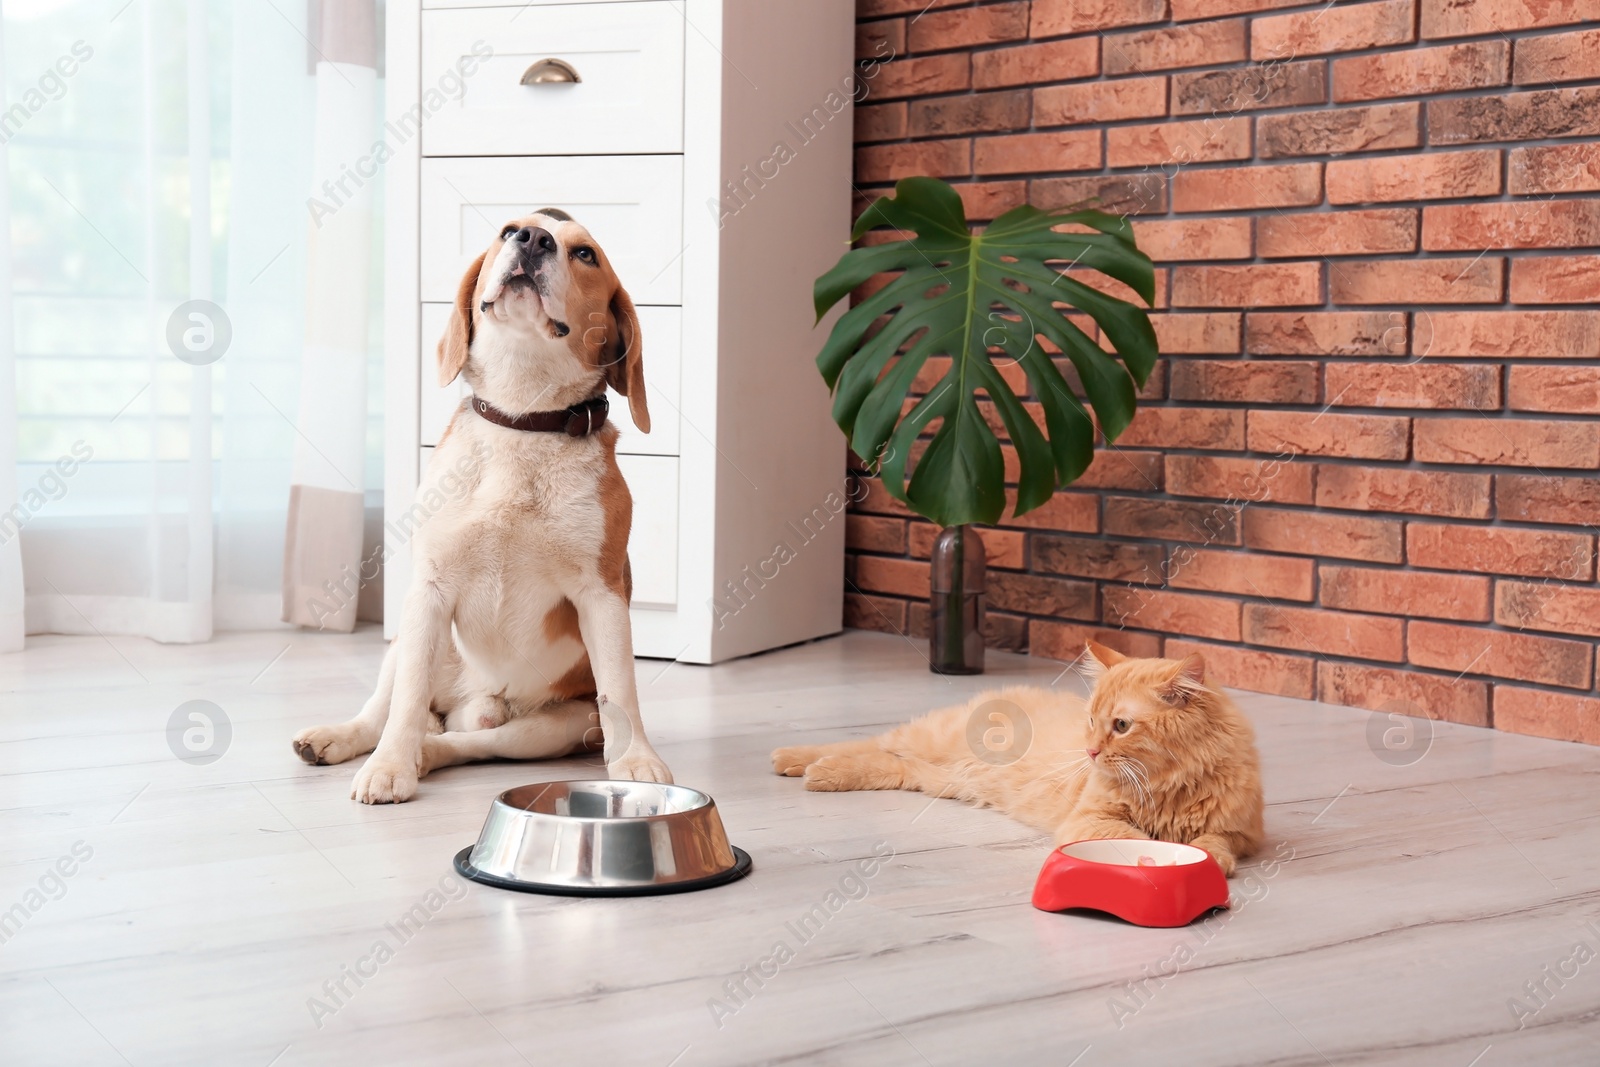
(1121, 726)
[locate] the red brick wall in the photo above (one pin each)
(1366, 469)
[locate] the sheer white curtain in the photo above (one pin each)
(12, 624)
(159, 222)
(322, 559)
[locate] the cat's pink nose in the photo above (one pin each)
(1093, 752)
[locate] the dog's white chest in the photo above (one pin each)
(516, 542)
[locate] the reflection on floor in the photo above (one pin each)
(246, 911)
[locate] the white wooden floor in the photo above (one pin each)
(1408, 905)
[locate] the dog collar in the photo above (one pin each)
(579, 420)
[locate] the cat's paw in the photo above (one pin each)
(832, 774)
(1219, 848)
(792, 762)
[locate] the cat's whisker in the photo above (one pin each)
(1126, 772)
(1076, 772)
(1138, 768)
(1066, 775)
(1144, 774)
(1066, 768)
(1138, 775)
(1133, 783)
(1148, 775)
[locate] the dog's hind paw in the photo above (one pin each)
(483, 712)
(322, 745)
(308, 752)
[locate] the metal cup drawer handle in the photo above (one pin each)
(551, 72)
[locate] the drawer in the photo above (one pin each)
(653, 542)
(663, 343)
(628, 58)
(633, 205)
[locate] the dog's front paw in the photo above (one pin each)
(322, 745)
(639, 766)
(382, 781)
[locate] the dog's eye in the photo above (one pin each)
(585, 253)
(1121, 726)
(505, 234)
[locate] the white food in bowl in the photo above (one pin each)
(1127, 852)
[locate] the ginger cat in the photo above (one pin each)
(1159, 754)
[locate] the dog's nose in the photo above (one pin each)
(537, 238)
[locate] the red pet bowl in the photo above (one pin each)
(1181, 884)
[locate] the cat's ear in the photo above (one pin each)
(1097, 659)
(1188, 679)
(1106, 657)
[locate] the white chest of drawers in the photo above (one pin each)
(667, 149)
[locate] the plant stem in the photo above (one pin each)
(953, 654)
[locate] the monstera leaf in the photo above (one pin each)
(982, 299)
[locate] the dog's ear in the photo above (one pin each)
(625, 361)
(457, 339)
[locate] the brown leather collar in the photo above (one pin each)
(579, 420)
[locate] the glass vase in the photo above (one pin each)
(955, 623)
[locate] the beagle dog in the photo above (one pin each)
(515, 640)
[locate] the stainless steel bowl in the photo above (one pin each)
(599, 838)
